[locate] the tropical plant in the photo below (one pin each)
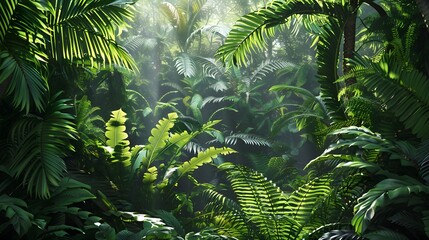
(35, 34)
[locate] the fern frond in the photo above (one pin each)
(262, 202)
(203, 157)
(247, 139)
(158, 138)
(185, 65)
(269, 66)
(302, 202)
(400, 88)
(38, 145)
(115, 129)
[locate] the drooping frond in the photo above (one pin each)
(250, 139)
(402, 89)
(267, 67)
(37, 146)
(27, 85)
(386, 193)
(249, 33)
(85, 31)
(328, 49)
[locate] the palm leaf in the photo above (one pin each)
(85, 31)
(7, 8)
(38, 145)
(27, 85)
(250, 31)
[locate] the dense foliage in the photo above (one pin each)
(179, 119)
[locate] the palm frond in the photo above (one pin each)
(85, 31)
(27, 86)
(38, 145)
(7, 8)
(249, 33)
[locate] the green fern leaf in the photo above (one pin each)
(115, 129)
(302, 202)
(203, 157)
(159, 136)
(117, 142)
(262, 203)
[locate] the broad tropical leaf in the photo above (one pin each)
(387, 192)
(16, 212)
